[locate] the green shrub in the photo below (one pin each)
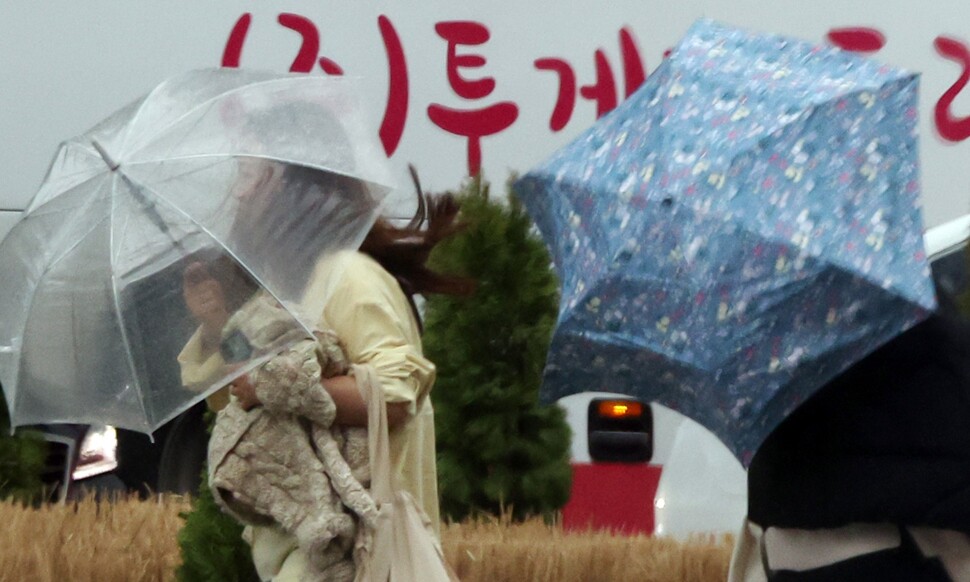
(211, 542)
(498, 449)
(22, 458)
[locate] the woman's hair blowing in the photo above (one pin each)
(403, 251)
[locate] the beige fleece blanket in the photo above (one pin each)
(285, 462)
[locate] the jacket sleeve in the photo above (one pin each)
(370, 313)
(197, 370)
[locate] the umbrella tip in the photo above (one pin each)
(112, 165)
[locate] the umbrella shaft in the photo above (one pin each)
(112, 165)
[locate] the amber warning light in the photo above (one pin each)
(620, 409)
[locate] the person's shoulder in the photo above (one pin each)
(356, 272)
(354, 258)
(354, 264)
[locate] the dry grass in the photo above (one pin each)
(135, 541)
(128, 540)
(496, 551)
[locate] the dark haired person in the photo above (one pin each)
(365, 297)
(870, 478)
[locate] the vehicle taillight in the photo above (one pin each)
(620, 409)
(619, 430)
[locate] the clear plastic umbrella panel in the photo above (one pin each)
(738, 232)
(186, 225)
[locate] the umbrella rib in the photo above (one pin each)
(813, 108)
(30, 304)
(183, 174)
(830, 377)
(272, 158)
(70, 144)
(206, 103)
(770, 237)
(228, 250)
(116, 299)
(39, 211)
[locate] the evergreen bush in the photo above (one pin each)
(498, 449)
(22, 457)
(211, 542)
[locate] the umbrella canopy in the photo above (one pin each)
(739, 231)
(181, 218)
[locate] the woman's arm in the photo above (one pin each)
(351, 408)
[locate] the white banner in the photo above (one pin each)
(452, 86)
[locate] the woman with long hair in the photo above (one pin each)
(365, 296)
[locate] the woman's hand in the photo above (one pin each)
(244, 391)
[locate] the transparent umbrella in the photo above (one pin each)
(191, 219)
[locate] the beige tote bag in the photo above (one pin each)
(402, 546)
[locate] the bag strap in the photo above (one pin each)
(382, 481)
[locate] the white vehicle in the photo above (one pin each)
(689, 483)
(686, 481)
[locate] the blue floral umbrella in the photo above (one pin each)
(738, 232)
